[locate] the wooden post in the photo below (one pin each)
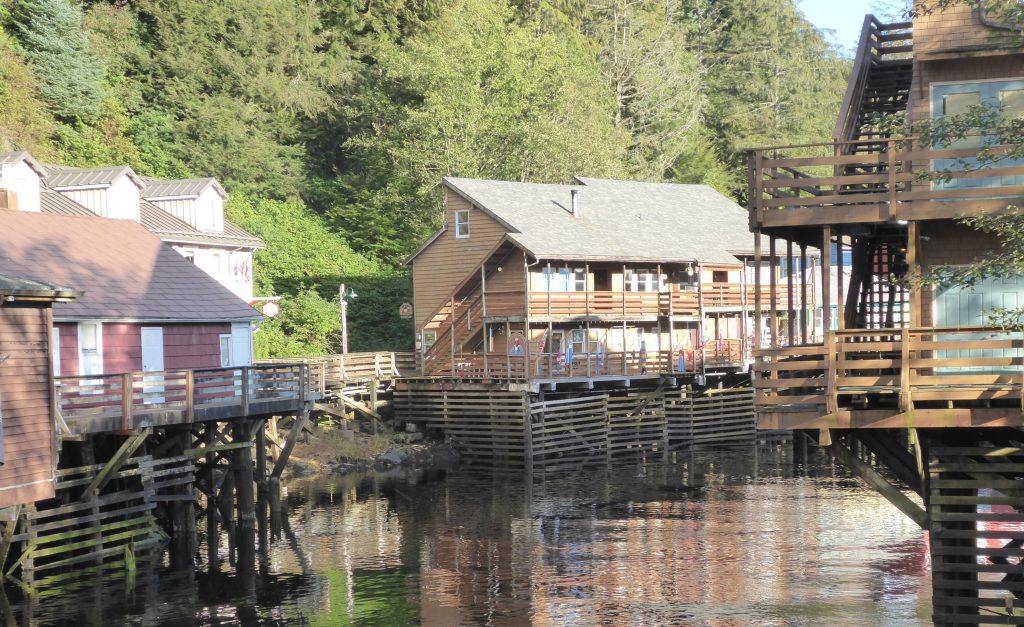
(625, 360)
(586, 345)
(803, 294)
(451, 333)
(508, 357)
(914, 268)
(343, 306)
(245, 390)
(374, 384)
(243, 459)
(744, 318)
(212, 535)
(483, 319)
(773, 292)
(261, 455)
(127, 398)
(826, 279)
(190, 395)
(701, 336)
(840, 314)
(759, 323)
(790, 309)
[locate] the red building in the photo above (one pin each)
(142, 306)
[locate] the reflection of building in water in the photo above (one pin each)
(629, 550)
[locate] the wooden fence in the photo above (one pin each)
(327, 372)
(525, 428)
(78, 533)
(122, 402)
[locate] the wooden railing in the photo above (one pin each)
(901, 369)
(881, 185)
(639, 304)
(126, 401)
(879, 43)
(333, 371)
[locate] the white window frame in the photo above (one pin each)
(578, 338)
(564, 279)
(462, 220)
(55, 350)
(631, 280)
(81, 350)
(424, 343)
(224, 339)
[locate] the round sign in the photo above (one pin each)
(270, 309)
(405, 310)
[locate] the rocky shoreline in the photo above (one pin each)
(335, 453)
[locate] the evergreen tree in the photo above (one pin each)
(70, 78)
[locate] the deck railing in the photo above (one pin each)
(331, 371)
(126, 401)
(901, 369)
(638, 304)
(887, 183)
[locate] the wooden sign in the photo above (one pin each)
(405, 310)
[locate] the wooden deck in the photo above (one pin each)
(135, 400)
(878, 181)
(641, 305)
(329, 372)
(894, 378)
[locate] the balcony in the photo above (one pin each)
(893, 378)
(636, 305)
(878, 181)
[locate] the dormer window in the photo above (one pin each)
(462, 224)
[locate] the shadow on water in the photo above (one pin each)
(711, 537)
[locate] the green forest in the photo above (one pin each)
(331, 122)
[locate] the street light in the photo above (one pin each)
(345, 295)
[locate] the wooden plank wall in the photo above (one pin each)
(26, 404)
(591, 427)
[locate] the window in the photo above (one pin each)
(554, 342)
(578, 340)
(188, 254)
(641, 280)
(1011, 103)
(90, 348)
(959, 104)
(720, 276)
(462, 224)
(565, 279)
(55, 351)
(428, 339)
(225, 351)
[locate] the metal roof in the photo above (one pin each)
(157, 188)
(16, 287)
(65, 177)
(171, 229)
(123, 271)
(14, 158)
(619, 220)
(55, 203)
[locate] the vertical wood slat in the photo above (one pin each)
(127, 401)
(190, 390)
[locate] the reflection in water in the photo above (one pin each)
(628, 544)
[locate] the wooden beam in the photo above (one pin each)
(870, 476)
(803, 294)
(757, 291)
(773, 288)
(128, 447)
(289, 444)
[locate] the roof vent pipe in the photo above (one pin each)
(575, 193)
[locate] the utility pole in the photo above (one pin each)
(344, 319)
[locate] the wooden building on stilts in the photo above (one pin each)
(592, 293)
(911, 373)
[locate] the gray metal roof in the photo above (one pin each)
(156, 188)
(65, 177)
(55, 203)
(16, 157)
(170, 229)
(619, 220)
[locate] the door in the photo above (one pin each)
(241, 344)
(152, 361)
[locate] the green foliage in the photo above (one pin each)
(70, 77)
(25, 123)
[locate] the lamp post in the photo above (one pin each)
(344, 295)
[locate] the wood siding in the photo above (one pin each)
(447, 261)
(186, 346)
(957, 30)
(26, 404)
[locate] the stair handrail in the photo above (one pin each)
(869, 51)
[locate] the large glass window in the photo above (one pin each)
(959, 104)
(641, 280)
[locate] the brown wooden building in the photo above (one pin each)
(909, 373)
(600, 279)
(28, 455)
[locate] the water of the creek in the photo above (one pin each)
(764, 542)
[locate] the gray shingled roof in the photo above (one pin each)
(61, 176)
(157, 188)
(16, 157)
(123, 270)
(170, 229)
(16, 286)
(619, 220)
